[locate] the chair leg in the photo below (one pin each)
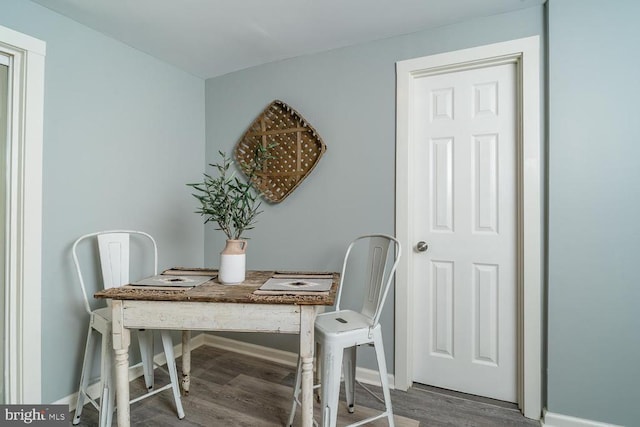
(331, 364)
(103, 414)
(111, 399)
(167, 344)
(296, 392)
(89, 352)
(384, 377)
(349, 369)
(145, 340)
(106, 384)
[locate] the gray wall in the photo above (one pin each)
(348, 95)
(594, 207)
(123, 133)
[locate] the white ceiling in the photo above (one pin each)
(209, 38)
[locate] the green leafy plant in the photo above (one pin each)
(233, 204)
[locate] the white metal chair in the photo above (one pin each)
(114, 250)
(338, 333)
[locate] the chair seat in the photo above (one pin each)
(105, 313)
(101, 320)
(342, 323)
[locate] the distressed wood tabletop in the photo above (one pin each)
(213, 291)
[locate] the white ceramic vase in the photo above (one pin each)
(233, 262)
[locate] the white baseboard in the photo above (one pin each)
(550, 419)
(261, 352)
(366, 376)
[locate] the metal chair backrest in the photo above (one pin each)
(114, 250)
(382, 249)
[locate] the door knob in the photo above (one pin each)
(422, 246)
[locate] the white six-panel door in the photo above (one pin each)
(464, 131)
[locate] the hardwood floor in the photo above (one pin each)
(229, 389)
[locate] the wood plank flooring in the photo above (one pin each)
(229, 389)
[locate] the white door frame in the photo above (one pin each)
(24, 217)
(525, 54)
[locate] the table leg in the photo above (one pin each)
(307, 319)
(186, 361)
(121, 342)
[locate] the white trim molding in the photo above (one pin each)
(525, 54)
(24, 217)
(557, 420)
(265, 353)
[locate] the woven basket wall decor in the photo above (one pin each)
(298, 150)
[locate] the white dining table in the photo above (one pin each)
(214, 307)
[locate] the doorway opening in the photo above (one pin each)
(23, 57)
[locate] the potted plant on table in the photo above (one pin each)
(233, 204)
